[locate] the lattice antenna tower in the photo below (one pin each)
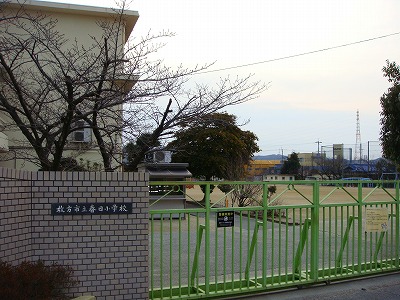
(357, 152)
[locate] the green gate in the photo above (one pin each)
(306, 232)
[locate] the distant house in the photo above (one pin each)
(79, 24)
(279, 177)
(359, 170)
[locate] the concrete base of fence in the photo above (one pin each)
(85, 298)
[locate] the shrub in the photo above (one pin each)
(35, 281)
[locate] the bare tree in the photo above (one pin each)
(53, 86)
(5, 17)
(244, 195)
(329, 168)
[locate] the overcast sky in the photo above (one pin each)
(311, 97)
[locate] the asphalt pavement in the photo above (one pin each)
(385, 287)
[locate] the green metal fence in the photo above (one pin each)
(305, 233)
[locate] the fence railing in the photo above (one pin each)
(302, 232)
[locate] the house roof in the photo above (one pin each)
(130, 16)
(360, 168)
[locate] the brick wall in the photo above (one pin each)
(15, 215)
(109, 253)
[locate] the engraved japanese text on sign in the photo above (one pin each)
(64, 209)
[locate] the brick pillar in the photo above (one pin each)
(109, 253)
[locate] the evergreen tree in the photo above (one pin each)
(215, 147)
(291, 165)
(390, 114)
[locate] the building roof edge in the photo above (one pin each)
(130, 16)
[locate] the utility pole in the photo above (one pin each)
(368, 157)
(318, 142)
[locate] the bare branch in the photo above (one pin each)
(118, 88)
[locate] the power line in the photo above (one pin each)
(300, 54)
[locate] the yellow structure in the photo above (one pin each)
(257, 168)
(79, 24)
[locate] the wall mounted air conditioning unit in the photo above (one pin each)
(162, 156)
(81, 134)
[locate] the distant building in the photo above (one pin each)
(258, 168)
(310, 159)
(307, 159)
(311, 164)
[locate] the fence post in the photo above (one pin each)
(265, 230)
(207, 238)
(315, 232)
(360, 228)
